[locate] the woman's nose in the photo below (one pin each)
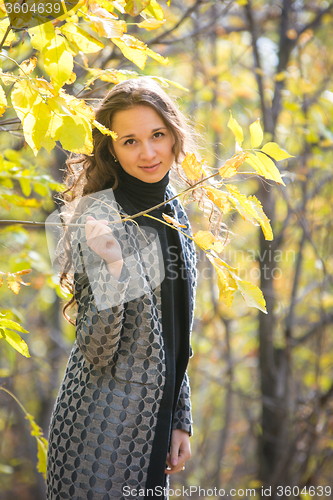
(147, 151)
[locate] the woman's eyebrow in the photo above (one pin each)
(133, 135)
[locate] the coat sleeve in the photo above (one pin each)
(99, 296)
(183, 414)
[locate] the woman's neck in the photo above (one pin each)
(142, 194)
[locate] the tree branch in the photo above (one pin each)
(5, 36)
(258, 68)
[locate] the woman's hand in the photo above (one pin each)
(180, 451)
(100, 240)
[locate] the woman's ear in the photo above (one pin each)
(110, 147)
(111, 150)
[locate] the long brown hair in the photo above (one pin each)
(86, 174)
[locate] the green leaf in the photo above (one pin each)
(272, 149)
(256, 132)
(236, 129)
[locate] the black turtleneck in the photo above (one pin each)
(142, 195)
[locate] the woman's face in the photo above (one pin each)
(144, 144)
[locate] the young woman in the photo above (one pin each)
(122, 420)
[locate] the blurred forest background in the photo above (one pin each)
(262, 385)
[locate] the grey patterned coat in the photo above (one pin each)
(103, 429)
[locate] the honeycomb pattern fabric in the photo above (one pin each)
(103, 424)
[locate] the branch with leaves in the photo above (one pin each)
(224, 196)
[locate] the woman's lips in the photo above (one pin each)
(151, 168)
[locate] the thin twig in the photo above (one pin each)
(125, 219)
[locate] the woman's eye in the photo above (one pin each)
(128, 141)
(158, 134)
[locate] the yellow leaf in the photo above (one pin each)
(256, 132)
(44, 87)
(220, 199)
(27, 66)
(85, 42)
(155, 10)
(134, 7)
(42, 455)
(264, 166)
(241, 203)
(192, 168)
(78, 106)
(133, 49)
(41, 36)
(26, 101)
(34, 114)
(172, 221)
(13, 285)
(279, 77)
(71, 79)
(8, 78)
(227, 287)
(35, 430)
(230, 167)
(111, 75)
(151, 24)
(8, 323)
(58, 61)
(157, 57)
(75, 134)
(36, 128)
(15, 341)
(3, 101)
(3, 11)
(106, 26)
(262, 218)
(24, 96)
(250, 209)
(105, 130)
(4, 23)
(272, 149)
(108, 6)
(236, 129)
(207, 241)
(226, 283)
(251, 294)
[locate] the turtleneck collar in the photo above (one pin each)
(142, 194)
